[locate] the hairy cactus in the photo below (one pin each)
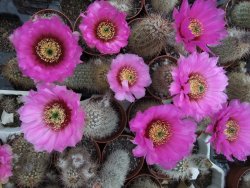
(90, 76)
(30, 170)
(186, 167)
(149, 36)
(143, 182)
(245, 181)
(9, 104)
(102, 119)
(241, 14)
(202, 125)
(11, 72)
(234, 47)
(76, 167)
(162, 78)
(239, 86)
(115, 169)
(126, 6)
(163, 6)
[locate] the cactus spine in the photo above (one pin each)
(76, 167)
(239, 86)
(102, 118)
(241, 14)
(234, 47)
(11, 72)
(90, 76)
(163, 6)
(143, 182)
(149, 36)
(162, 78)
(115, 169)
(126, 6)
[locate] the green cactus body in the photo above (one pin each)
(240, 15)
(76, 167)
(11, 72)
(90, 76)
(234, 47)
(149, 36)
(161, 79)
(239, 86)
(102, 119)
(126, 6)
(163, 6)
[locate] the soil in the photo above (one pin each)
(123, 143)
(8, 23)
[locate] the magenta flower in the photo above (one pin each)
(5, 163)
(105, 28)
(198, 85)
(128, 77)
(52, 118)
(47, 50)
(230, 130)
(201, 25)
(162, 135)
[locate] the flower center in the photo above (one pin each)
(232, 130)
(159, 132)
(105, 31)
(129, 74)
(198, 86)
(196, 28)
(57, 115)
(49, 50)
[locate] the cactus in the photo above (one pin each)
(149, 36)
(11, 72)
(143, 182)
(202, 125)
(245, 181)
(102, 119)
(9, 104)
(91, 76)
(115, 169)
(239, 87)
(234, 47)
(126, 6)
(163, 6)
(240, 15)
(186, 167)
(162, 78)
(76, 167)
(30, 170)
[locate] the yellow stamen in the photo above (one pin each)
(129, 74)
(106, 30)
(232, 130)
(55, 116)
(198, 86)
(159, 132)
(49, 50)
(195, 27)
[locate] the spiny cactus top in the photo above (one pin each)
(200, 25)
(198, 85)
(105, 28)
(162, 136)
(52, 118)
(5, 163)
(128, 77)
(230, 130)
(47, 50)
